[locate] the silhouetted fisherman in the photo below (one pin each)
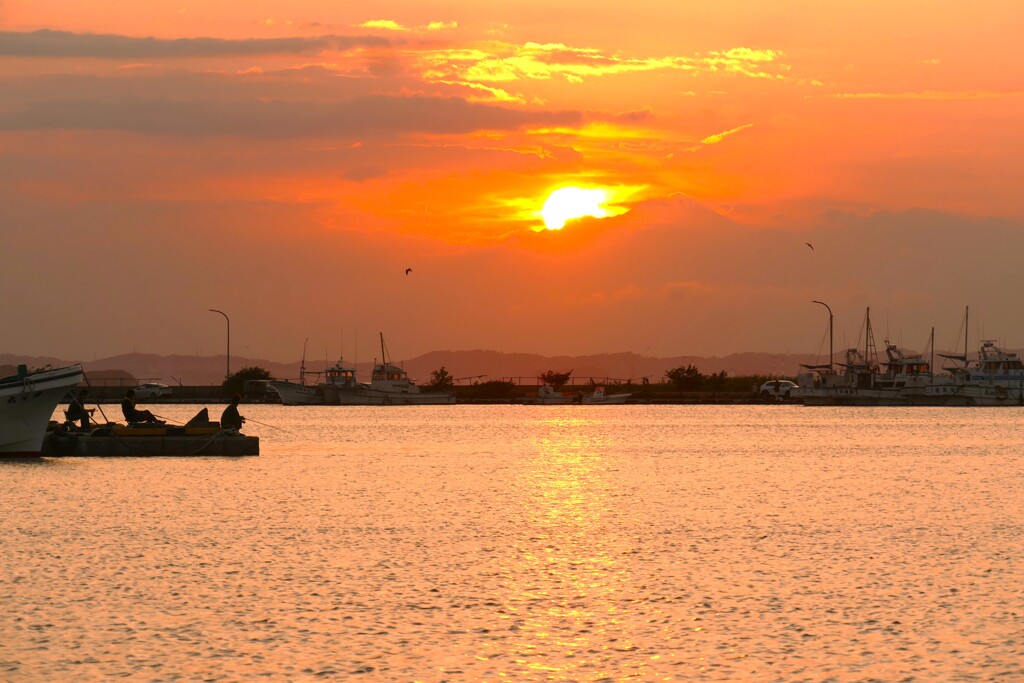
(77, 410)
(133, 414)
(230, 419)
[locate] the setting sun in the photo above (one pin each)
(572, 202)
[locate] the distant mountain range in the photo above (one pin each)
(465, 365)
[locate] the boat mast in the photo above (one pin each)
(302, 366)
(967, 331)
(870, 352)
(867, 333)
(829, 331)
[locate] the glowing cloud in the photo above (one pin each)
(503, 62)
(718, 137)
(385, 24)
(389, 25)
(568, 203)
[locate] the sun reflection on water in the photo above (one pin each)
(563, 592)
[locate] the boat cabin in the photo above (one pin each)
(340, 376)
(388, 372)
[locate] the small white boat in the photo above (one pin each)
(298, 393)
(27, 402)
(602, 397)
(547, 396)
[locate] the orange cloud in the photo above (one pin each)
(389, 25)
(938, 95)
(384, 24)
(748, 62)
(507, 62)
(718, 137)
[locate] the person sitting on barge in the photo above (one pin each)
(133, 414)
(77, 410)
(230, 419)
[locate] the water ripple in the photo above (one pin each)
(711, 543)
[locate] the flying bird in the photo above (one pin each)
(810, 245)
(408, 270)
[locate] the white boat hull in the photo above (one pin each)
(26, 406)
(547, 396)
(555, 400)
(974, 395)
(368, 396)
(938, 394)
(293, 394)
(608, 399)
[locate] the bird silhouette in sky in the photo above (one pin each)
(810, 245)
(408, 270)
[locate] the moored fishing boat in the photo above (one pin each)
(298, 393)
(337, 380)
(995, 378)
(902, 379)
(27, 402)
(389, 386)
(823, 385)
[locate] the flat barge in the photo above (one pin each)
(148, 441)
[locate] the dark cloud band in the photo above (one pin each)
(374, 116)
(48, 43)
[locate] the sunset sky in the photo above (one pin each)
(286, 162)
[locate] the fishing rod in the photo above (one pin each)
(280, 429)
(98, 405)
(247, 419)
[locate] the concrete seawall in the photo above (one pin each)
(179, 394)
(214, 395)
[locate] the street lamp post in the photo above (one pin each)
(829, 331)
(214, 310)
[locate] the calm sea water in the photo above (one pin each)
(530, 543)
